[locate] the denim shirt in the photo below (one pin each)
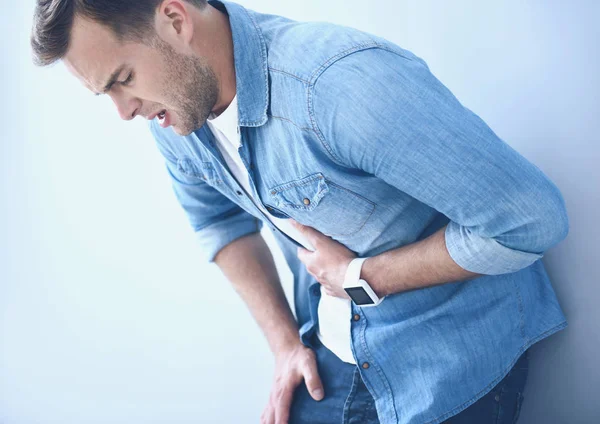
(353, 135)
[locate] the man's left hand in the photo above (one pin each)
(329, 261)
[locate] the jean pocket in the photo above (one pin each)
(318, 202)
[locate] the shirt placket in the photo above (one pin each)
(239, 189)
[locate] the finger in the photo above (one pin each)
(312, 379)
(282, 411)
(303, 254)
(309, 232)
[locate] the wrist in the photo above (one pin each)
(368, 273)
(286, 344)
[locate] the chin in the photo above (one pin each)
(182, 131)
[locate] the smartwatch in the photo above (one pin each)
(358, 289)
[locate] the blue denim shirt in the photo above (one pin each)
(386, 155)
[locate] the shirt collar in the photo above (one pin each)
(250, 61)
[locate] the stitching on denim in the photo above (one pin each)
(292, 122)
(288, 74)
(494, 382)
(263, 52)
(314, 201)
(374, 206)
(500, 403)
(314, 78)
(318, 196)
(297, 183)
(377, 368)
(343, 53)
(317, 130)
(521, 313)
(518, 409)
(351, 396)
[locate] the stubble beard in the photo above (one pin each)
(191, 87)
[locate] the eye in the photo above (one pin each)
(128, 79)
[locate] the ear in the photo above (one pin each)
(174, 24)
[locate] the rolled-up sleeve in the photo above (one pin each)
(216, 220)
(381, 110)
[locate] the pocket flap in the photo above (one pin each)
(304, 193)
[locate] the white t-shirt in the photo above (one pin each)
(334, 312)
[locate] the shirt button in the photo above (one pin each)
(272, 192)
(497, 397)
(238, 192)
(365, 365)
(306, 201)
(356, 317)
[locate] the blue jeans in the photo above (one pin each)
(347, 400)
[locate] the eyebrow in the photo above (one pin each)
(112, 79)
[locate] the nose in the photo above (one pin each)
(128, 107)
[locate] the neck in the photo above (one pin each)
(214, 37)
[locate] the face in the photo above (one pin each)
(151, 80)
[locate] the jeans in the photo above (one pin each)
(347, 400)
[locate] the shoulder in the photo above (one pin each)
(304, 49)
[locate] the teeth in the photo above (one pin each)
(161, 115)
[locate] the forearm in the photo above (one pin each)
(414, 266)
(248, 264)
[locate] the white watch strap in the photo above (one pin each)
(353, 272)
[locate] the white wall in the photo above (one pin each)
(104, 312)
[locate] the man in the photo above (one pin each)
(413, 232)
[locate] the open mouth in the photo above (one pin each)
(163, 118)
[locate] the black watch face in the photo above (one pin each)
(359, 296)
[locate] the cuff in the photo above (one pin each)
(216, 236)
(484, 255)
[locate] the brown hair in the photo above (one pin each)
(53, 19)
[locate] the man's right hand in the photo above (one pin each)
(292, 365)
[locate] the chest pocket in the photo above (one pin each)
(199, 169)
(322, 204)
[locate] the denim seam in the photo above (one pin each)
(366, 219)
(521, 313)
(377, 368)
(349, 191)
(309, 96)
(292, 122)
(288, 74)
(298, 182)
(494, 382)
(263, 52)
(319, 71)
(351, 396)
(500, 402)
